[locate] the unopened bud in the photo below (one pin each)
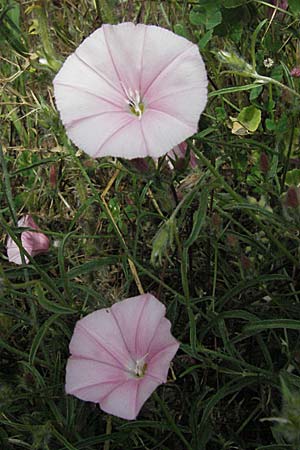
(162, 241)
(52, 176)
(245, 261)
(236, 62)
(293, 197)
(232, 241)
(264, 163)
(295, 72)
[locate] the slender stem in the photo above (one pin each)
(101, 199)
(108, 432)
(44, 35)
(262, 79)
(171, 421)
(98, 9)
(7, 190)
(287, 159)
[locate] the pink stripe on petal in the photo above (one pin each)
(169, 66)
(138, 318)
(100, 325)
(115, 86)
(122, 401)
(77, 88)
(94, 385)
(127, 142)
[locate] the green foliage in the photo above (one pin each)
(250, 117)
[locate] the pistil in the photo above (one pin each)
(133, 100)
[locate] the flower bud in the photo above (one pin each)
(162, 241)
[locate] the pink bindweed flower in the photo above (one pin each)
(33, 242)
(119, 355)
(282, 4)
(179, 152)
(295, 72)
(131, 91)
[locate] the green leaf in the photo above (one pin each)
(272, 324)
(207, 14)
(91, 266)
(39, 337)
(233, 3)
(50, 305)
(198, 218)
(250, 118)
(205, 39)
(181, 30)
(294, 6)
(293, 177)
(255, 92)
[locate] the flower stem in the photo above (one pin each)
(264, 80)
(43, 29)
(171, 421)
(7, 188)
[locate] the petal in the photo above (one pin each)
(35, 243)
(91, 380)
(13, 252)
(101, 327)
(162, 350)
(146, 387)
(138, 318)
(163, 131)
(161, 48)
(127, 399)
(90, 69)
(182, 107)
(126, 141)
(125, 43)
(122, 401)
(102, 140)
(85, 345)
(185, 73)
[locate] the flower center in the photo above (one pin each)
(138, 368)
(133, 100)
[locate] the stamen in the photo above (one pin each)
(134, 102)
(138, 368)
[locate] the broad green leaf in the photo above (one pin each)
(250, 118)
(294, 6)
(293, 177)
(207, 14)
(233, 3)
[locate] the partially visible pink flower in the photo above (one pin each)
(295, 72)
(131, 91)
(179, 152)
(119, 355)
(140, 164)
(33, 242)
(282, 4)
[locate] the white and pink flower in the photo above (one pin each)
(131, 91)
(34, 242)
(119, 355)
